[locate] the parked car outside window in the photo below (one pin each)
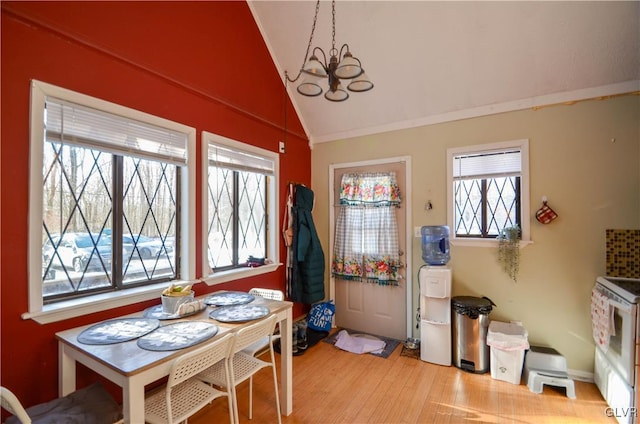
(78, 252)
(144, 247)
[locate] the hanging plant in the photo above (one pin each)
(509, 251)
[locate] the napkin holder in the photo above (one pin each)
(191, 307)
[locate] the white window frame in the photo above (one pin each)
(66, 309)
(523, 146)
(273, 217)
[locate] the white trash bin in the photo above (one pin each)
(507, 342)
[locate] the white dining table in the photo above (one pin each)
(132, 368)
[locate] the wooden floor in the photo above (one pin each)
(334, 386)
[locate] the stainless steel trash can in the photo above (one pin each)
(470, 325)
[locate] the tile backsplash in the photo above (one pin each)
(623, 253)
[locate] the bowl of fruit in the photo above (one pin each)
(174, 296)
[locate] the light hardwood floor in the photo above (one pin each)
(333, 386)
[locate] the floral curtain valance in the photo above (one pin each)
(371, 189)
(366, 243)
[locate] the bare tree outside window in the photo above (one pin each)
(237, 217)
(78, 220)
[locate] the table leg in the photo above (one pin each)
(66, 371)
(286, 364)
(133, 401)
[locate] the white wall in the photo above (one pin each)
(592, 182)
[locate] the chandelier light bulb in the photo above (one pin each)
(349, 67)
(314, 67)
(360, 83)
(310, 87)
(337, 95)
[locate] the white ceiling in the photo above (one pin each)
(440, 61)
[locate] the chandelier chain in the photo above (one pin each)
(333, 29)
(313, 30)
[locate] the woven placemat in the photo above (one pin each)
(239, 313)
(117, 330)
(178, 336)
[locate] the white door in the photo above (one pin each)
(372, 308)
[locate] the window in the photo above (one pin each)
(108, 188)
(240, 208)
(488, 190)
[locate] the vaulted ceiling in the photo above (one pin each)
(441, 61)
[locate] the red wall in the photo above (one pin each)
(203, 64)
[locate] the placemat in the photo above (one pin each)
(239, 313)
(178, 335)
(117, 330)
(229, 298)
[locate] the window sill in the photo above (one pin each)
(483, 242)
(238, 273)
(73, 308)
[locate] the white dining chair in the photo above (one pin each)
(261, 346)
(244, 366)
(271, 294)
(184, 393)
(11, 403)
(92, 404)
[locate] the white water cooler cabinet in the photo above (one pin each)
(435, 314)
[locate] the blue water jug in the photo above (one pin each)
(435, 244)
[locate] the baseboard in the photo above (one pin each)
(581, 375)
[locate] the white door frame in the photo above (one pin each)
(409, 225)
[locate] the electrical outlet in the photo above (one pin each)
(281, 147)
(417, 232)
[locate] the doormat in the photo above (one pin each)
(390, 344)
(410, 353)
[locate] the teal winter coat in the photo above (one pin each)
(307, 285)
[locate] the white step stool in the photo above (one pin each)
(545, 365)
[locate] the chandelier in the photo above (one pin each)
(314, 70)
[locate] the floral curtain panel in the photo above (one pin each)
(366, 242)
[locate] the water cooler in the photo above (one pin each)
(435, 296)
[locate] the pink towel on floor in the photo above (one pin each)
(601, 319)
